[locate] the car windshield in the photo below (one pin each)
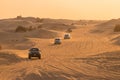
(34, 49)
(66, 35)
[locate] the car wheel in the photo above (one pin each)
(39, 57)
(29, 57)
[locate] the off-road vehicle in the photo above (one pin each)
(69, 30)
(34, 52)
(67, 36)
(57, 41)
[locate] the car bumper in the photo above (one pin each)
(34, 55)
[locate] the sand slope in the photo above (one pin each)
(87, 56)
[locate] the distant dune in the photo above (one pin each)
(11, 24)
(57, 26)
(106, 26)
(110, 23)
(44, 29)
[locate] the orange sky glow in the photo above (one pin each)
(61, 9)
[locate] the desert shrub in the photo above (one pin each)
(72, 24)
(39, 20)
(21, 29)
(117, 28)
(40, 26)
(19, 17)
(30, 28)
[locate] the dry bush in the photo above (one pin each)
(40, 26)
(30, 28)
(39, 20)
(21, 29)
(117, 28)
(19, 17)
(24, 29)
(72, 24)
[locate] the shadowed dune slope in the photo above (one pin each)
(7, 58)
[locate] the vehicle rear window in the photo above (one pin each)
(34, 49)
(57, 39)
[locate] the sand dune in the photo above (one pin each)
(108, 58)
(86, 56)
(115, 39)
(21, 41)
(11, 24)
(107, 26)
(110, 23)
(57, 26)
(9, 58)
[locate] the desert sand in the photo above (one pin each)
(93, 52)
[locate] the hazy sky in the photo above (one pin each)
(67, 9)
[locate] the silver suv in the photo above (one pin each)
(67, 36)
(57, 41)
(34, 52)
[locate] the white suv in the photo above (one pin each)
(67, 36)
(57, 41)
